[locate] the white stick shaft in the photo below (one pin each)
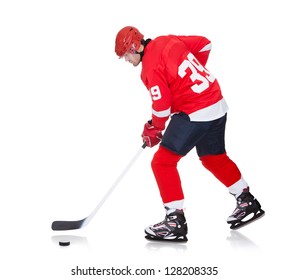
(108, 193)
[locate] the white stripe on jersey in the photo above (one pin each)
(210, 113)
(206, 48)
(162, 114)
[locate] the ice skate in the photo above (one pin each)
(246, 206)
(173, 228)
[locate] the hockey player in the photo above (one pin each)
(181, 87)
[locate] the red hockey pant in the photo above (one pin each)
(164, 166)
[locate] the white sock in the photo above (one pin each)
(176, 204)
(237, 188)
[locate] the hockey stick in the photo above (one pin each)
(68, 225)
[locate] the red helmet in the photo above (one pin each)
(127, 38)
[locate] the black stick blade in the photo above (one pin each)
(67, 225)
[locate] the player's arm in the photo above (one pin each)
(199, 46)
(161, 101)
(161, 110)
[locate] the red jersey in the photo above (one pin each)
(173, 70)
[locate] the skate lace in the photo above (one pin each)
(159, 224)
(166, 220)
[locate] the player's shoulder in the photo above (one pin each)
(161, 49)
(165, 42)
(164, 39)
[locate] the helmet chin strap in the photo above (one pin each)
(144, 43)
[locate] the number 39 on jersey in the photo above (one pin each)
(200, 76)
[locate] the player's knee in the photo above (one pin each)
(155, 161)
(164, 157)
(212, 161)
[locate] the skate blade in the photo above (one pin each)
(178, 239)
(241, 224)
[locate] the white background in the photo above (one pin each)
(71, 115)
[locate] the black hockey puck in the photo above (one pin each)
(64, 243)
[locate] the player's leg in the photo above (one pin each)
(211, 151)
(174, 226)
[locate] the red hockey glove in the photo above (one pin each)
(151, 135)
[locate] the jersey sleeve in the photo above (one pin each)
(199, 46)
(161, 99)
